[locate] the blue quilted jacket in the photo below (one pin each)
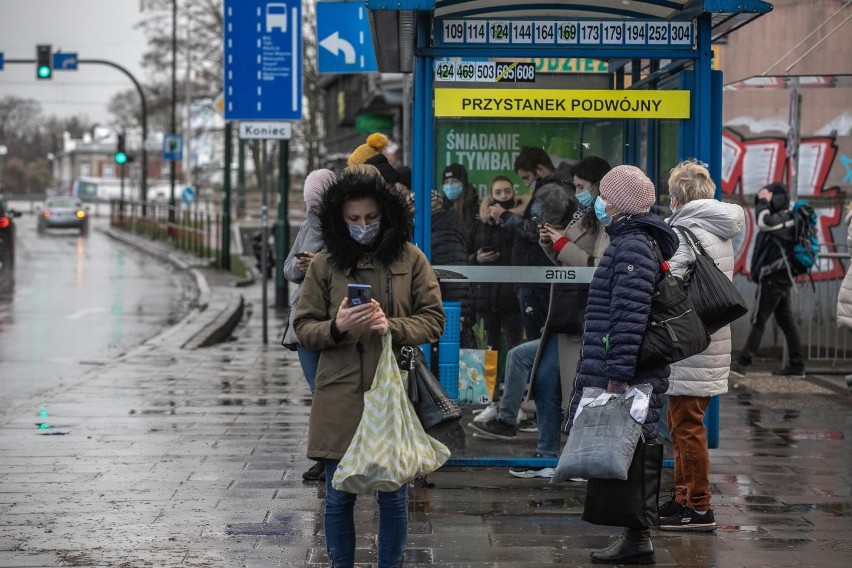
(617, 313)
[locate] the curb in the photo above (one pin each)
(210, 330)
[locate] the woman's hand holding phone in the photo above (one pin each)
(547, 234)
(349, 317)
(487, 255)
(369, 314)
(303, 260)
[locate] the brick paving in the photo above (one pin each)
(174, 457)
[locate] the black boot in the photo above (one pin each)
(316, 472)
(634, 547)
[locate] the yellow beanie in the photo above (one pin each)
(376, 142)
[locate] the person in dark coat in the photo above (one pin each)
(490, 244)
(552, 202)
(465, 198)
(616, 317)
(449, 248)
(770, 269)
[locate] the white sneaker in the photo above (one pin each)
(529, 473)
(487, 414)
(521, 415)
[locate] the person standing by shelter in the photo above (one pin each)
(552, 202)
(616, 318)
(308, 242)
(694, 380)
(367, 229)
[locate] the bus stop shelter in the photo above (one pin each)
(491, 76)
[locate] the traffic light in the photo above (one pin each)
(120, 154)
(44, 65)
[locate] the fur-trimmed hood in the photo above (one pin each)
(517, 208)
(397, 225)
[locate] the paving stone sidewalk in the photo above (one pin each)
(193, 457)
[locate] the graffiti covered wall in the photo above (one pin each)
(749, 164)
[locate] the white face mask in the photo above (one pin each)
(365, 234)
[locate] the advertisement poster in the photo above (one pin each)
(488, 148)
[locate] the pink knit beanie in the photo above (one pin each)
(316, 184)
(628, 189)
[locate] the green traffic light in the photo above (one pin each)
(120, 158)
(44, 71)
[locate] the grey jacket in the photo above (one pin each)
(308, 239)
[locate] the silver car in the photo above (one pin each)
(63, 213)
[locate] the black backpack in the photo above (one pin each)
(675, 331)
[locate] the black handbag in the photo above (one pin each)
(631, 502)
(716, 299)
(674, 331)
(431, 403)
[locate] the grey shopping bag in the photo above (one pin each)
(604, 435)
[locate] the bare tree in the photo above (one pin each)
(29, 137)
(308, 132)
(205, 48)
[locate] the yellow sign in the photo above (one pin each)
(559, 103)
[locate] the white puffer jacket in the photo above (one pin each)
(844, 295)
(714, 224)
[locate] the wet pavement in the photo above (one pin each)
(193, 457)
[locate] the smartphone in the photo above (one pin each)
(488, 249)
(300, 254)
(359, 294)
(538, 221)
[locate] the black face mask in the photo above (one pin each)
(505, 204)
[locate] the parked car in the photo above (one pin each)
(7, 235)
(63, 213)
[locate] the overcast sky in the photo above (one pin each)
(94, 29)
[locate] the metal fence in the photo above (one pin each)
(188, 229)
(815, 309)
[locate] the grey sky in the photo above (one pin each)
(94, 29)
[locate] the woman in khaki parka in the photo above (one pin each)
(367, 227)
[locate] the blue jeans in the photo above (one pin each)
(547, 386)
(340, 524)
(309, 360)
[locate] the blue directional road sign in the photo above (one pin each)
(64, 61)
(343, 32)
(1, 60)
(172, 147)
(263, 60)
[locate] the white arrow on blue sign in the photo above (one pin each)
(64, 61)
(263, 60)
(346, 45)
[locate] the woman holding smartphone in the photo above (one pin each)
(495, 304)
(367, 228)
(307, 243)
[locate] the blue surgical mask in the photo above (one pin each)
(365, 234)
(586, 198)
(600, 211)
(452, 190)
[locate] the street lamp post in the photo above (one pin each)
(172, 202)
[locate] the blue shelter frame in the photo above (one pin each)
(414, 27)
